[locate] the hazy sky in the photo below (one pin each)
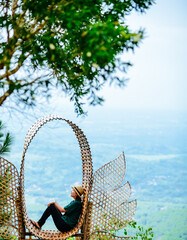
(159, 72)
(158, 77)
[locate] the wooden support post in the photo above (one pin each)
(20, 216)
(87, 222)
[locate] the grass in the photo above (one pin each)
(168, 220)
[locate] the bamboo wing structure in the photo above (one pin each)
(111, 209)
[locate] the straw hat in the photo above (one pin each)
(78, 189)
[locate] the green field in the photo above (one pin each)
(168, 220)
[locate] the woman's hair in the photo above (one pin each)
(77, 197)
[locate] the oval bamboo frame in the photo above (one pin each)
(87, 171)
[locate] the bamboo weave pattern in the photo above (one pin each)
(9, 182)
(87, 170)
(111, 206)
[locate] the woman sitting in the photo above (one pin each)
(68, 220)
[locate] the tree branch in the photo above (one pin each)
(32, 33)
(9, 91)
(11, 50)
(32, 82)
(38, 28)
(6, 14)
(20, 64)
(14, 5)
(5, 96)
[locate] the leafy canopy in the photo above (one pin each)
(71, 44)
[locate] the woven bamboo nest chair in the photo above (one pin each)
(106, 204)
(87, 170)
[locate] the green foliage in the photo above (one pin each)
(5, 140)
(141, 232)
(5, 214)
(131, 230)
(168, 219)
(68, 44)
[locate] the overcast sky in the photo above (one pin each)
(158, 77)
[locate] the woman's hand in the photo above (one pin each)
(50, 203)
(61, 209)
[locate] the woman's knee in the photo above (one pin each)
(52, 206)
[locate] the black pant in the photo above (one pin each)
(61, 225)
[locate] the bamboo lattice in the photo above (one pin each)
(87, 170)
(9, 183)
(111, 208)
